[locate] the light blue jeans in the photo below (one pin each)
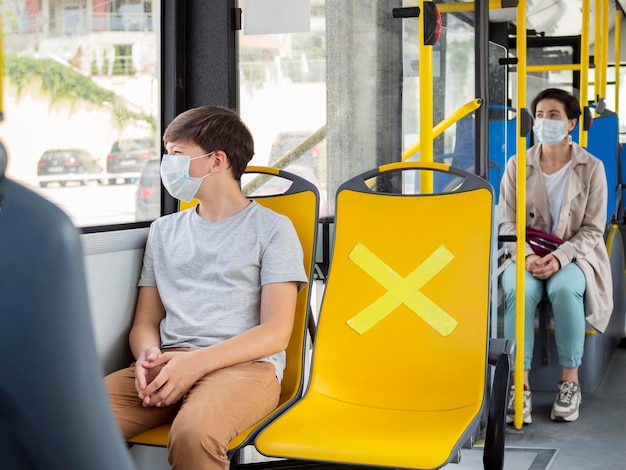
(565, 289)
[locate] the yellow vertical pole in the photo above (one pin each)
(604, 53)
(584, 67)
(597, 50)
(618, 28)
(520, 214)
(426, 103)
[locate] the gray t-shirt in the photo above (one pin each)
(209, 274)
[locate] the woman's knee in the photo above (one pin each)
(532, 297)
(569, 281)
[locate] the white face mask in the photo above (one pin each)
(549, 131)
(176, 179)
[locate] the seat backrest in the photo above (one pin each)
(54, 411)
(299, 202)
(501, 148)
(603, 143)
(298, 199)
(404, 318)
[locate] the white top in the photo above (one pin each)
(555, 186)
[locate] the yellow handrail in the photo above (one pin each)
(520, 216)
(600, 48)
(467, 6)
(603, 51)
(443, 125)
(553, 68)
(597, 50)
(618, 28)
(584, 63)
(426, 103)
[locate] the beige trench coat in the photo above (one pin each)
(581, 223)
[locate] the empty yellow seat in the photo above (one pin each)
(399, 369)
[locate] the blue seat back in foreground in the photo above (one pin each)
(54, 411)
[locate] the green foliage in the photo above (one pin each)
(63, 83)
(8, 16)
(105, 63)
(94, 67)
(123, 66)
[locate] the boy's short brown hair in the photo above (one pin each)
(214, 128)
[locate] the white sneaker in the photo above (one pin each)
(567, 403)
(527, 407)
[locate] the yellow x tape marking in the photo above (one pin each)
(402, 290)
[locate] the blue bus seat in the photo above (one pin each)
(54, 411)
(501, 148)
(603, 143)
(390, 327)
(299, 200)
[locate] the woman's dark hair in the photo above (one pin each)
(570, 102)
(214, 128)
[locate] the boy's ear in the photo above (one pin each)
(220, 162)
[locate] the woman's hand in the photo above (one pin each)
(530, 262)
(542, 268)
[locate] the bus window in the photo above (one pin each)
(283, 97)
(81, 104)
(343, 96)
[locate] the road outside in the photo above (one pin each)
(94, 204)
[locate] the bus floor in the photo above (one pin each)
(596, 441)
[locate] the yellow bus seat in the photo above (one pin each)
(399, 373)
(54, 411)
(300, 203)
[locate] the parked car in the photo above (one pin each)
(286, 141)
(63, 165)
(148, 196)
(129, 156)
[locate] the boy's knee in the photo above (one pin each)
(191, 444)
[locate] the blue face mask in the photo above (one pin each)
(176, 179)
(549, 131)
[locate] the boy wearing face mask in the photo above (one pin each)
(566, 196)
(217, 296)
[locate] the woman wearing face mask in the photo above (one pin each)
(566, 196)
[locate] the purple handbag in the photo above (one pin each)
(542, 243)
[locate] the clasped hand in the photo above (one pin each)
(542, 267)
(162, 378)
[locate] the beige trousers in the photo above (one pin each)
(218, 407)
